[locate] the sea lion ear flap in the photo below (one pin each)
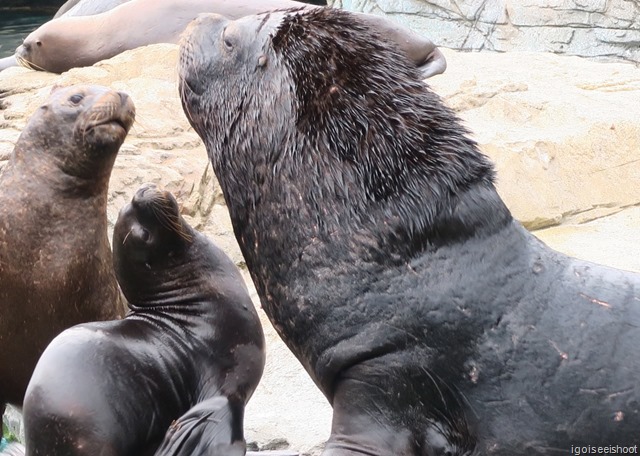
(262, 61)
(55, 88)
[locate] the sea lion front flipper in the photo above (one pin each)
(8, 62)
(207, 429)
(420, 50)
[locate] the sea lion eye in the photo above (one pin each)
(226, 40)
(38, 43)
(76, 98)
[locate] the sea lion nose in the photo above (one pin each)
(128, 110)
(143, 189)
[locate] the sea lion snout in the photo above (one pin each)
(198, 40)
(144, 188)
(118, 107)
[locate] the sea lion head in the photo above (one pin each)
(81, 129)
(59, 45)
(317, 104)
(216, 47)
(149, 236)
(44, 49)
(31, 51)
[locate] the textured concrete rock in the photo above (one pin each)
(612, 240)
(564, 133)
(592, 28)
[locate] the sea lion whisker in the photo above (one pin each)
(140, 120)
(164, 215)
(125, 238)
(28, 64)
(462, 399)
(183, 95)
(435, 384)
(163, 211)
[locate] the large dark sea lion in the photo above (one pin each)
(192, 333)
(433, 322)
(56, 266)
(69, 42)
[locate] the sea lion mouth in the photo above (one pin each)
(120, 123)
(113, 110)
(23, 62)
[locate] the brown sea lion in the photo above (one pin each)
(192, 336)
(433, 322)
(55, 261)
(69, 42)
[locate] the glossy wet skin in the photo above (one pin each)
(386, 260)
(192, 334)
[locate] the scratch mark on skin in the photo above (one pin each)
(410, 268)
(592, 391)
(595, 301)
(620, 393)
(562, 354)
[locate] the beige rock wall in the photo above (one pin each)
(564, 132)
(592, 28)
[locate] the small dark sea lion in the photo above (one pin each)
(192, 333)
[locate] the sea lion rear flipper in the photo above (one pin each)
(205, 429)
(434, 64)
(420, 50)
